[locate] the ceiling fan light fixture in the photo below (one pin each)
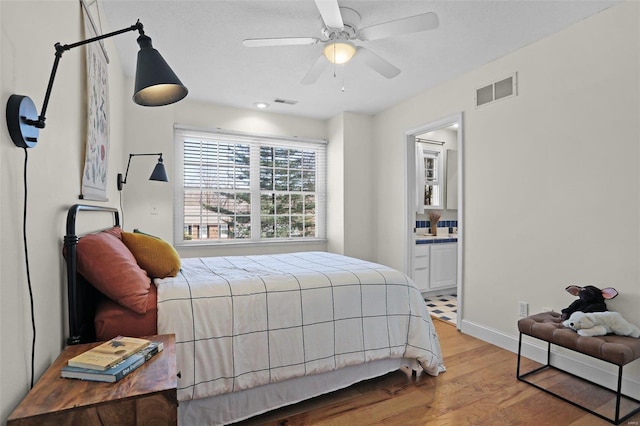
(339, 52)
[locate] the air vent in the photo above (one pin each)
(285, 101)
(502, 89)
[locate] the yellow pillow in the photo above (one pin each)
(153, 254)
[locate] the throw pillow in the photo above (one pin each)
(153, 254)
(111, 268)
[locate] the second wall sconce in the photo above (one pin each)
(159, 173)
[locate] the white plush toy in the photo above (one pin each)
(601, 323)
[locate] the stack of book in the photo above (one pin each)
(111, 360)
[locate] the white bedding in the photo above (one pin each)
(236, 406)
(246, 321)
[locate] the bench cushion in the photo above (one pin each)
(619, 350)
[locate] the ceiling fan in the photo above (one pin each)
(340, 27)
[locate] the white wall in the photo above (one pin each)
(359, 190)
(29, 31)
(551, 176)
(350, 190)
(335, 187)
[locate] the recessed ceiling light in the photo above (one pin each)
(261, 105)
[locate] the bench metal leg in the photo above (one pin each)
(547, 365)
(616, 420)
(618, 394)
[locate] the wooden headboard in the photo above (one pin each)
(82, 296)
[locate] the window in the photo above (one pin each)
(429, 177)
(237, 187)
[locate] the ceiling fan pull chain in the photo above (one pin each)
(334, 63)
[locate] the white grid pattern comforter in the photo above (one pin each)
(245, 321)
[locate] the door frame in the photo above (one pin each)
(410, 208)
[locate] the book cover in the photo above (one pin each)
(109, 353)
(117, 372)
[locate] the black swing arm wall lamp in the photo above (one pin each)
(159, 173)
(155, 85)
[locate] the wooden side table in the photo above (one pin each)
(146, 396)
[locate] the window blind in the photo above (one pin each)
(244, 187)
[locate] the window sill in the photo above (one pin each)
(249, 243)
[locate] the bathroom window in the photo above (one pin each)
(429, 177)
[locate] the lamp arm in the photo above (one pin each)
(122, 181)
(60, 49)
(127, 172)
(137, 26)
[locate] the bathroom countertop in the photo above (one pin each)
(436, 239)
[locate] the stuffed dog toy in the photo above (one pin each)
(601, 323)
(590, 299)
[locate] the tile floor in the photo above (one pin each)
(444, 307)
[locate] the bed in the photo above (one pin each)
(253, 333)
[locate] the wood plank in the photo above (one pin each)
(478, 388)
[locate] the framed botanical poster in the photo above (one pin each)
(94, 175)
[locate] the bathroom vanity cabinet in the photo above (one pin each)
(435, 266)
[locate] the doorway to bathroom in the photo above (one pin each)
(434, 215)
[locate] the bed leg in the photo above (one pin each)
(416, 373)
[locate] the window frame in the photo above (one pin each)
(320, 145)
(424, 151)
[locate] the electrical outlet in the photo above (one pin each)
(523, 309)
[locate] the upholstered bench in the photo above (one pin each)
(618, 350)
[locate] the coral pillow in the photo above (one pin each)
(110, 267)
(112, 319)
(116, 231)
(153, 254)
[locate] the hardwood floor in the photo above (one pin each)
(478, 388)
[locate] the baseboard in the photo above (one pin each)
(581, 365)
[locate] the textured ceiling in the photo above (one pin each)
(202, 41)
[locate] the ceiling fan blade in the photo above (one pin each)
(330, 12)
(411, 24)
(379, 65)
(316, 69)
(283, 41)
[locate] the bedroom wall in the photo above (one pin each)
(335, 188)
(359, 190)
(55, 168)
(551, 176)
(350, 192)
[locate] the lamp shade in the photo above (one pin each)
(156, 83)
(339, 52)
(159, 172)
